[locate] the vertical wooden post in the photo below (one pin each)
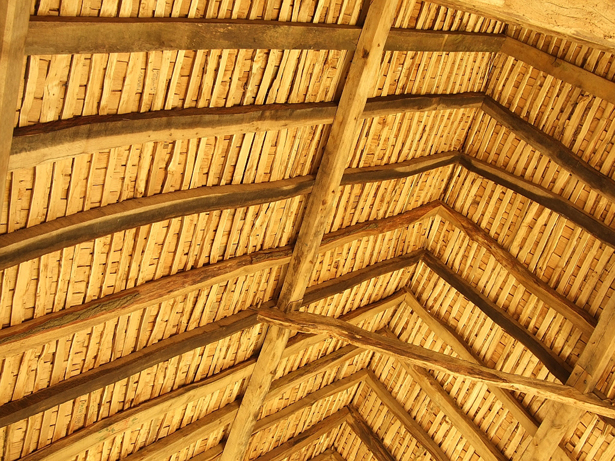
(14, 16)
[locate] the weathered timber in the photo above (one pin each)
(464, 351)
(31, 242)
(558, 68)
(552, 148)
(542, 196)
(579, 20)
(77, 35)
(307, 437)
(46, 142)
(397, 409)
(594, 362)
(554, 363)
(579, 317)
(119, 369)
(461, 421)
(320, 208)
(311, 323)
(358, 425)
(14, 16)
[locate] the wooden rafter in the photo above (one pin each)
(554, 363)
(365, 64)
(14, 16)
(464, 352)
(304, 322)
(442, 399)
(362, 430)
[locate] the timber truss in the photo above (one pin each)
(312, 378)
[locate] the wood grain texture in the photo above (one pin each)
(319, 210)
(551, 148)
(76, 35)
(590, 22)
(397, 410)
(541, 196)
(46, 142)
(311, 323)
(14, 16)
(358, 425)
(554, 363)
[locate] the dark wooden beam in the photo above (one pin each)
(362, 430)
(408, 423)
(560, 69)
(556, 301)
(311, 323)
(46, 142)
(554, 363)
(551, 148)
(14, 29)
(542, 196)
(77, 35)
(32, 242)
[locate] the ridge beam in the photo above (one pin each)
(320, 207)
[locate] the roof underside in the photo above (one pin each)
(158, 320)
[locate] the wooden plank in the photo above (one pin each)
(32, 242)
(554, 363)
(594, 361)
(541, 196)
(360, 80)
(124, 367)
(414, 428)
(14, 16)
(368, 438)
(311, 323)
(307, 437)
(560, 69)
(552, 148)
(579, 317)
(78, 35)
(578, 20)
(46, 142)
(464, 352)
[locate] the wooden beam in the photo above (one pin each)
(560, 69)
(311, 323)
(409, 424)
(579, 317)
(46, 142)
(124, 367)
(307, 437)
(464, 352)
(32, 242)
(320, 208)
(362, 430)
(78, 35)
(594, 361)
(578, 20)
(551, 148)
(542, 196)
(554, 363)
(14, 16)
(462, 422)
